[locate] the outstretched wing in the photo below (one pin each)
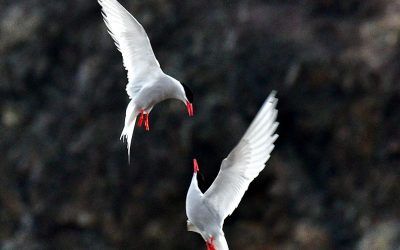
(132, 41)
(245, 161)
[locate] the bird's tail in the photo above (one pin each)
(220, 242)
(130, 120)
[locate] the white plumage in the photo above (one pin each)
(207, 212)
(147, 83)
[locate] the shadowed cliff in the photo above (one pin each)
(332, 181)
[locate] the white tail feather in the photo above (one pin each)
(130, 120)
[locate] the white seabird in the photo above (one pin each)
(206, 212)
(147, 83)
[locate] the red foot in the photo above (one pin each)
(210, 244)
(144, 120)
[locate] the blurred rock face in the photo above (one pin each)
(385, 235)
(332, 181)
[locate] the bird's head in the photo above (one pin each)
(188, 99)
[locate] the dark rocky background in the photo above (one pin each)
(333, 181)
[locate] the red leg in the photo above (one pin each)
(146, 122)
(140, 122)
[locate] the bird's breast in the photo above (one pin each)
(203, 218)
(154, 93)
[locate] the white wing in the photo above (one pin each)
(245, 161)
(132, 41)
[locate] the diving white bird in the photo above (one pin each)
(206, 212)
(147, 83)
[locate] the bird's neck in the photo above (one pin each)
(194, 189)
(172, 87)
(193, 197)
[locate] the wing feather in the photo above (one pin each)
(132, 41)
(245, 161)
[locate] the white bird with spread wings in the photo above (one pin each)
(147, 83)
(206, 212)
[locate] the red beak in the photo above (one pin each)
(189, 107)
(195, 166)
